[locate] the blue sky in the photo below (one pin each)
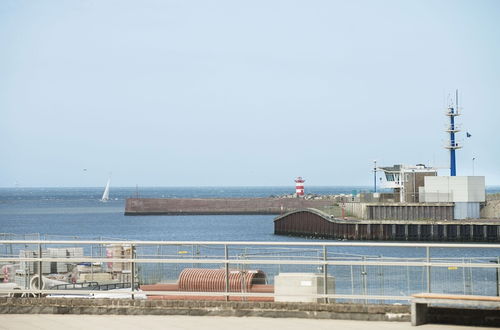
(188, 93)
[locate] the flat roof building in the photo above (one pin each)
(406, 180)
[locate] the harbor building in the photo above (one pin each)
(467, 193)
(415, 204)
(405, 181)
(421, 184)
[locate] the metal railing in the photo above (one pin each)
(362, 272)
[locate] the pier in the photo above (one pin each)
(317, 224)
(203, 206)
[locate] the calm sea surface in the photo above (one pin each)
(77, 212)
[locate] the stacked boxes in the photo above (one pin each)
(62, 267)
(31, 267)
(92, 273)
(118, 251)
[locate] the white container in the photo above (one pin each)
(298, 287)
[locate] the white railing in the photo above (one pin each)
(229, 255)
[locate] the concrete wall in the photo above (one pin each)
(158, 206)
(463, 210)
(216, 308)
(477, 189)
(357, 210)
(396, 211)
(438, 189)
(410, 211)
(412, 182)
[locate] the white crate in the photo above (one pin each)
(298, 287)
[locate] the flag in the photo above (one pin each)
(468, 134)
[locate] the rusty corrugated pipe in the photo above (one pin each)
(214, 280)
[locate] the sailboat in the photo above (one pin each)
(105, 194)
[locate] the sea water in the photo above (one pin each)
(58, 213)
(63, 213)
(78, 212)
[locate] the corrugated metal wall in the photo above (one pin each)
(310, 224)
(409, 212)
(466, 210)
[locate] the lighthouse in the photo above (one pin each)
(299, 186)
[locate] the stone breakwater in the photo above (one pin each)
(202, 206)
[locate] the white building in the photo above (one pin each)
(406, 180)
(467, 192)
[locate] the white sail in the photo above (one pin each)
(105, 194)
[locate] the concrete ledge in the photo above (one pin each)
(203, 308)
(458, 309)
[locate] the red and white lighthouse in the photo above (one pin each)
(299, 186)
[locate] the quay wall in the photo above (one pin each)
(357, 209)
(198, 206)
(362, 312)
(400, 211)
(314, 223)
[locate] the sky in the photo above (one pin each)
(237, 93)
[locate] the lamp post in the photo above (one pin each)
(375, 176)
(473, 159)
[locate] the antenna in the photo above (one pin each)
(452, 112)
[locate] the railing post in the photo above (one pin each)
(471, 277)
(91, 263)
(428, 268)
(226, 267)
(463, 276)
(364, 275)
(498, 276)
(352, 282)
(325, 273)
(132, 271)
(243, 284)
(40, 282)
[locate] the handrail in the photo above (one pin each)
(260, 262)
(261, 243)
